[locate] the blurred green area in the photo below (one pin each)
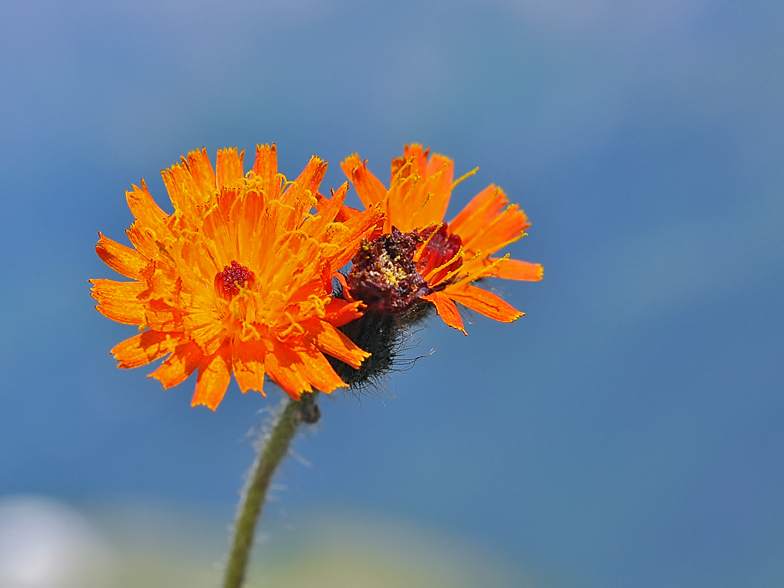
(133, 546)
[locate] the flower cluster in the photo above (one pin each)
(239, 278)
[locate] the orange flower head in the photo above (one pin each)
(450, 256)
(238, 279)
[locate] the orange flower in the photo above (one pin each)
(238, 279)
(454, 254)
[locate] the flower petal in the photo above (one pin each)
(248, 365)
(365, 225)
(483, 226)
(119, 300)
(144, 348)
(484, 302)
(146, 211)
(301, 195)
(213, 379)
(419, 189)
(334, 343)
(202, 174)
(228, 167)
(318, 371)
(124, 260)
(307, 183)
(514, 269)
(283, 366)
(447, 310)
(339, 312)
(483, 207)
(176, 368)
(440, 174)
(328, 209)
(160, 316)
(144, 239)
(218, 228)
(507, 227)
(265, 168)
(369, 188)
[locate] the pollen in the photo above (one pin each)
(232, 278)
(383, 274)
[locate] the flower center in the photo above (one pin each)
(383, 275)
(229, 281)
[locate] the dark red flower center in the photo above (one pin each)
(383, 274)
(228, 282)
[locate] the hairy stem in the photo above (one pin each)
(270, 453)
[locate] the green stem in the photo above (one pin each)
(271, 452)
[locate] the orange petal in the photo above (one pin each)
(190, 183)
(317, 369)
(440, 172)
(370, 190)
(366, 225)
(345, 213)
(333, 342)
(144, 348)
(144, 239)
(202, 174)
(506, 227)
(124, 260)
(183, 191)
(265, 168)
(248, 365)
(204, 330)
(420, 189)
(176, 368)
(339, 312)
(407, 194)
(283, 366)
(217, 228)
(483, 226)
(213, 379)
(484, 205)
(160, 316)
(328, 209)
(251, 227)
(301, 195)
(119, 300)
(514, 269)
(418, 156)
(145, 210)
(228, 168)
(308, 181)
(447, 310)
(484, 302)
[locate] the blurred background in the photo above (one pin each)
(626, 432)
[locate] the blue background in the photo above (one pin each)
(626, 432)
